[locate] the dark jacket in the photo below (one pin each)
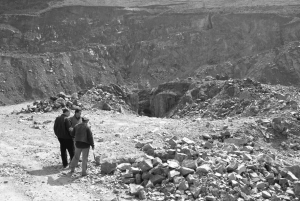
(74, 121)
(61, 127)
(83, 133)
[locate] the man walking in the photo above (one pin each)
(83, 140)
(61, 130)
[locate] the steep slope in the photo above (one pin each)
(277, 66)
(71, 48)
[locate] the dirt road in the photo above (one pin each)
(30, 164)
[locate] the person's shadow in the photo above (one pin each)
(51, 172)
(45, 171)
(61, 181)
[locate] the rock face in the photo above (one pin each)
(166, 97)
(272, 66)
(63, 49)
(163, 102)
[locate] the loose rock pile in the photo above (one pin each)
(110, 97)
(105, 97)
(220, 99)
(234, 170)
(55, 102)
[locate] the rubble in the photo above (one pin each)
(54, 103)
(243, 174)
(110, 97)
(105, 97)
(219, 99)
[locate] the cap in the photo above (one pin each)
(85, 118)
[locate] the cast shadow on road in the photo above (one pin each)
(45, 171)
(61, 181)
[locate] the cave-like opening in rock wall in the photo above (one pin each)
(147, 112)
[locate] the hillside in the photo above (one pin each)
(72, 46)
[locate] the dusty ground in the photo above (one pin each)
(30, 161)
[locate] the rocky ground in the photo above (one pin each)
(153, 158)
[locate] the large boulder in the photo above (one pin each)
(108, 166)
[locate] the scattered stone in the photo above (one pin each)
(186, 171)
(149, 184)
(134, 170)
(208, 145)
(241, 168)
(146, 165)
(266, 194)
(247, 157)
(156, 179)
(142, 195)
(135, 189)
(178, 179)
(180, 157)
(210, 198)
(147, 147)
(297, 188)
(225, 134)
(140, 144)
(206, 136)
(173, 143)
(291, 176)
(203, 169)
(188, 141)
(231, 176)
(260, 185)
(192, 164)
(146, 175)
(128, 180)
(190, 178)
(173, 164)
(232, 166)
(290, 192)
(156, 161)
(183, 186)
(124, 166)
(173, 173)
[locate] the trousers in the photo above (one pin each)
(66, 144)
(75, 160)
